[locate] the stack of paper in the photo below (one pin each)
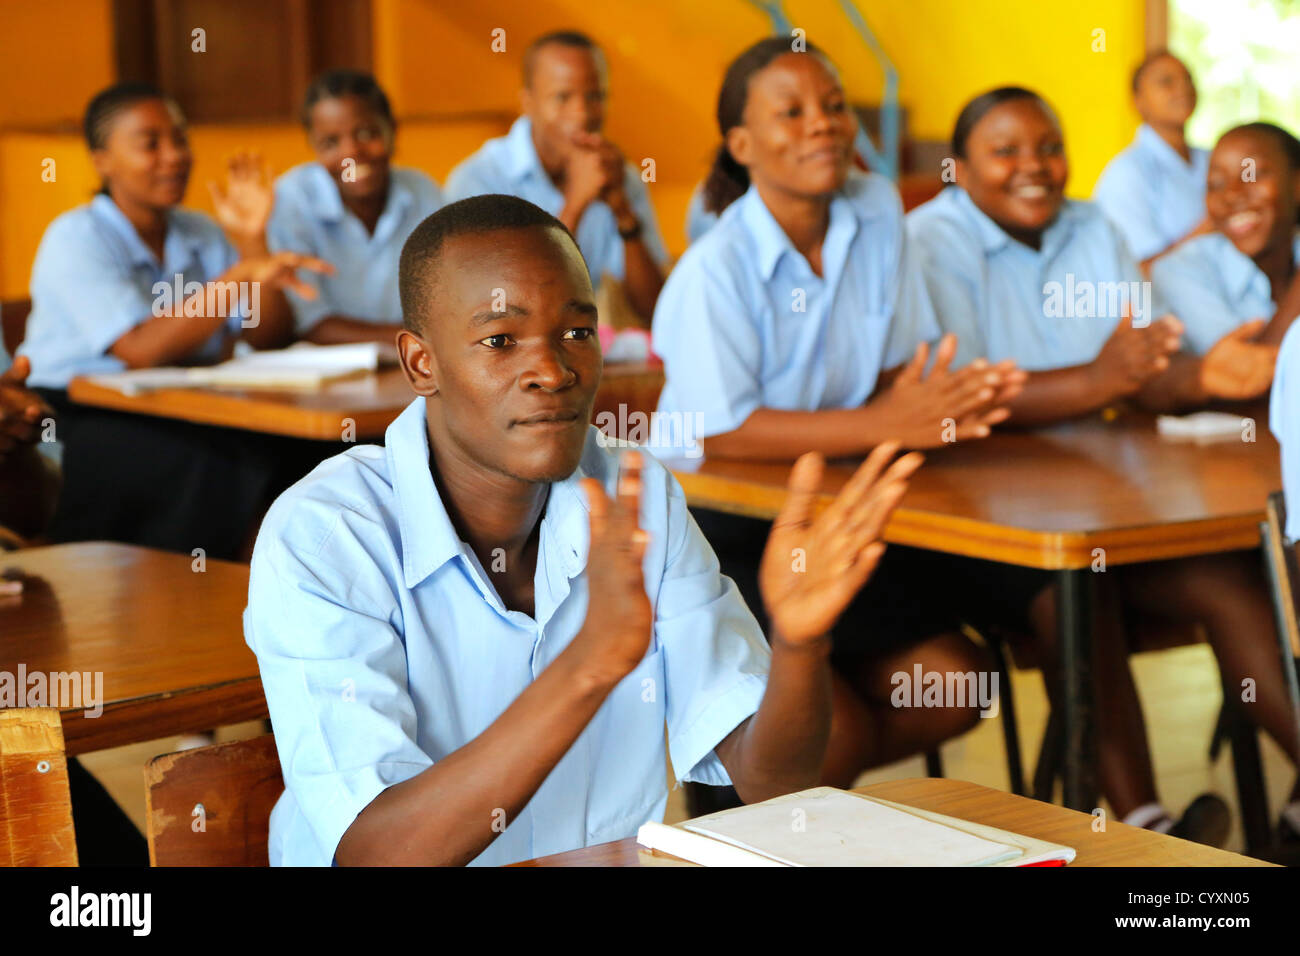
(829, 827)
(300, 367)
(1201, 426)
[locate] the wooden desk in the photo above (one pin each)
(167, 639)
(1119, 845)
(1057, 499)
(370, 401)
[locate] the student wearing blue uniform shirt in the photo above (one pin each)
(351, 208)
(557, 157)
(475, 635)
(1154, 190)
(799, 323)
(995, 247)
(1284, 412)
(102, 301)
(1242, 278)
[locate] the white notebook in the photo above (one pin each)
(829, 827)
(298, 367)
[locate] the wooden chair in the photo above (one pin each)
(212, 806)
(13, 322)
(35, 802)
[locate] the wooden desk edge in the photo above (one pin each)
(967, 537)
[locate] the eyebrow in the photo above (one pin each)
(573, 305)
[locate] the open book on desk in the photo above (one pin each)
(829, 827)
(297, 367)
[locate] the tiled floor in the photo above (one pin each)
(1180, 693)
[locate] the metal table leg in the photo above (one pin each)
(1074, 631)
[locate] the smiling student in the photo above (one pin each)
(1154, 190)
(96, 309)
(992, 247)
(799, 323)
(1242, 278)
(557, 157)
(351, 208)
(474, 635)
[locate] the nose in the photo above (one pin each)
(548, 371)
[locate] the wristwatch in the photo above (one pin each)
(627, 235)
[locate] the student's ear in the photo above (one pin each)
(740, 145)
(526, 102)
(418, 363)
(99, 157)
(959, 170)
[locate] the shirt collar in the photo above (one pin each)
(1149, 142)
(178, 242)
(1240, 271)
(773, 243)
(429, 539)
(327, 204)
(994, 238)
(522, 160)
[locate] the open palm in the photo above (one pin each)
(243, 205)
(814, 565)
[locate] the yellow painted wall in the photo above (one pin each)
(451, 90)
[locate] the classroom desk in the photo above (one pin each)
(168, 640)
(371, 401)
(1059, 499)
(1118, 845)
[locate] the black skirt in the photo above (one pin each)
(169, 484)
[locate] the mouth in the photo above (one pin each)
(828, 154)
(1032, 192)
(1242, 223)
(556, 420)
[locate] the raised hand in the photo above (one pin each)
(1238, 368)
(616, 633)
(243, 205)
(813, 565)
(21, 411)
(973, 398)
(1133, 356)
(278, 270)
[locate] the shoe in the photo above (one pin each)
(1206, 820)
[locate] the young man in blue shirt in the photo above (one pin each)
(472, 638)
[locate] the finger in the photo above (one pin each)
(295, 285)
(626, 513)
(868, 483)
(802, 489)
(16, 374)
(943, 355)
(1247, 331)
(870, 514)
(300, 260)
(911, 372)
(597, 506)
(218, 194)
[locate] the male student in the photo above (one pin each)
(556, 157)
(472, 637)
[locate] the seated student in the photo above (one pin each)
(1154, 190)
(102, 301)
(1242, 278)
(996, 248)
(466, 640)
(27, 485)
(798, 323)
(352, 208)
(556, 157)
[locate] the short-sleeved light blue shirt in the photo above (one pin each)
(1213, 288)
(310, 217)
(93, 281)
(744, 323)
(384, 647)
(509, 164)
(1284, 421)
(1046, 309)
(1151, 194)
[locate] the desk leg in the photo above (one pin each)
(1074, 631)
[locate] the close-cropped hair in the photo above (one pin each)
(334, 84)
(418, 265)
(105, 105)
(565, 38)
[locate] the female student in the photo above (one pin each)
(996, 248)
(798, 323)
(1154, 190)
(1242, 275)
(352, 208)
(102, 302)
